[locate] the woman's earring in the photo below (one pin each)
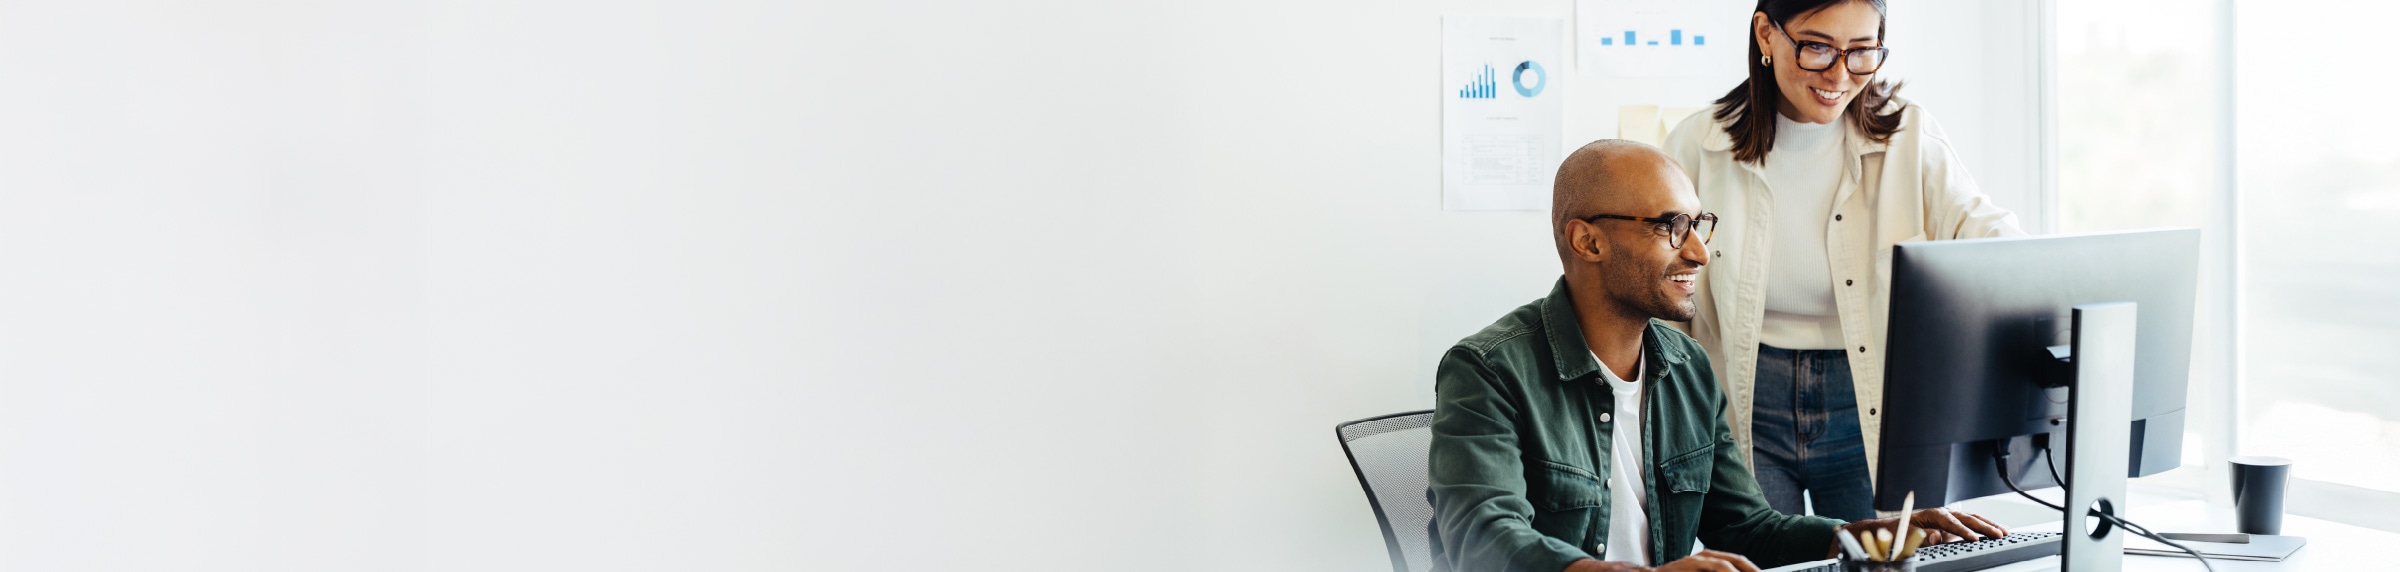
(1766, 60)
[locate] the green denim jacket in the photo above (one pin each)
(1519, 453)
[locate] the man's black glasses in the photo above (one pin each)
(1677, 226)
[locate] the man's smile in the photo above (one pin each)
(1686, 281)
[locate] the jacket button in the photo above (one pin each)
(1862, 349)
(1604, 418)
(1870, 411)
(1599, 549)
(1845, 283)
(1837, 217)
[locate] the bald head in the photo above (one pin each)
(1615, 176)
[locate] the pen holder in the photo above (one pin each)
(1903, 565)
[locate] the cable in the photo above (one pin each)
(2050, 459)
(2145, 532)
(2055, 476)
(2000, 463)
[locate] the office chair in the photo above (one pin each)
(1388, 454)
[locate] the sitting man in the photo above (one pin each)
(1581, 433)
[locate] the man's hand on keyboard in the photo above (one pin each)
(1941, 525)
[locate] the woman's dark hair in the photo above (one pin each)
(1750, 107)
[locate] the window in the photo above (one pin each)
(2316, 191)
(2138, 131)
(2320, 205)
(2126, 165)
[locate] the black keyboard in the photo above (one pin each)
(1962, 556)
(1981, 554)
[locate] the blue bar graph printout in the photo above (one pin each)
(1651, 38)
(1674, 38)
(1484, 86)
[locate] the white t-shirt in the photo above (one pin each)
(1628, 524)
(1803, 172)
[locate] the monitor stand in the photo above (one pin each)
(2099, 416)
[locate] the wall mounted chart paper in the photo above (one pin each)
(1500, 112)
(1661, 38)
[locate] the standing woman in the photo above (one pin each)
(1815, 170)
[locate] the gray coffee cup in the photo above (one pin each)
(2258, 493)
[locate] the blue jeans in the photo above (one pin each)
(1804, 434)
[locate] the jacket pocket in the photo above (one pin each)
(1689, 472)
(1683, 484)
(1569, 505)
(1568, 488)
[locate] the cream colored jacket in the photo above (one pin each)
(1911, 188)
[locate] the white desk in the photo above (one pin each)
(2331, 545)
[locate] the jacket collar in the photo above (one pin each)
(1572, 356)
(1717, 140)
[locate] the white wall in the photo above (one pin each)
(454, 285)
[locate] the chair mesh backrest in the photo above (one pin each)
(1388, 454)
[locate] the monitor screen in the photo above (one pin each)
(1976, 332)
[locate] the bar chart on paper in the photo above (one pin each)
(1660, 38)
(1485, 86)
(1674, 38)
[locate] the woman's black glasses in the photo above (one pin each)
(1818, 56)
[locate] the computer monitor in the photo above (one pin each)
(1977, 331)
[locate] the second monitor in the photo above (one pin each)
(1977, 362)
